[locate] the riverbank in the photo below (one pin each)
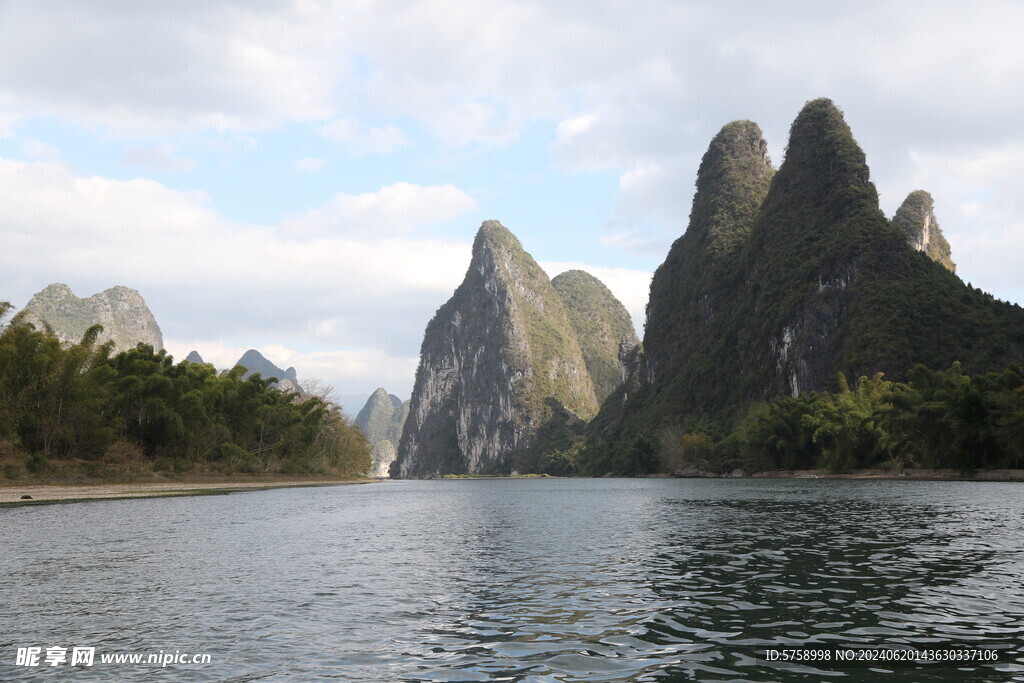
(915, 474)
(14, 495)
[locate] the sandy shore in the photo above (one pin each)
(52, 493)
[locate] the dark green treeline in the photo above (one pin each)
(78, 403)
(934, 420)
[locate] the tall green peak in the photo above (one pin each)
(731, 183)
(687, 289)
(493, 230)
(916, 220)
(493, 235)
(602, 325)
(824, 165)
(498, 360)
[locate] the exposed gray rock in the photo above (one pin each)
(381, 420)
(123, 313)
(496, 361)
(916, 219)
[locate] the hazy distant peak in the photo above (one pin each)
(255, 362)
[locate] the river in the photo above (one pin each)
(520, 579)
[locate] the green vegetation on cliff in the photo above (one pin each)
(602, 325)
(692, 314)
(77, 408)
(938, 420)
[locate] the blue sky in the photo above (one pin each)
(306, 178)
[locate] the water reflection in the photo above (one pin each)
(852, 570)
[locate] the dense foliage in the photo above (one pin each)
(79, 403)
(935, 420)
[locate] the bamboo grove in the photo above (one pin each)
(79, 403)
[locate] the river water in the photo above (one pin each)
(523, 579)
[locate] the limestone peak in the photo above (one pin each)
(916, 220)
(493, 359)
(123, 313)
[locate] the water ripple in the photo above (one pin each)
(522, 580)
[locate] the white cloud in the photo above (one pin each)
(145, 68)
(359, 294)
(639, 241)
(631, 287)
(472, 122)
(309, 164)
(395, 209)
(360, 139)
(648, 86)
(35, 150)
(158, 157)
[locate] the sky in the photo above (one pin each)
(306, 178)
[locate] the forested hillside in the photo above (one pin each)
(782, 282)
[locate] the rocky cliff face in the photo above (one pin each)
(255, 362)
(123, 313)
(602, 325)
(381, 420)
(497, 360)
(916, 220)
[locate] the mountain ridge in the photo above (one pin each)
(123, 313)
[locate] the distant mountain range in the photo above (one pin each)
(782, 281)
(255, 362)
(785, 283)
